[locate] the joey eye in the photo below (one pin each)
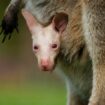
(36, 47)
(54, 46)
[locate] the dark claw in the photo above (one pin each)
(8, 25)
(9, 37)
(1, 31)
(9, 22)
(4, 38)
(17, 29)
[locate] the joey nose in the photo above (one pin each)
(45, 63)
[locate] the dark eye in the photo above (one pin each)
(36, 47)
(54, 46)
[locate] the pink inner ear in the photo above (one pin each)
(30, 19)
(60, 21)
(61, 26)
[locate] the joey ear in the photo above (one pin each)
(30, 19)
(60, 21)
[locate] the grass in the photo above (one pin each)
(32, 95)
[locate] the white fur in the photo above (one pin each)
(44, 38)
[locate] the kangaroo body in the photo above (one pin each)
(72, 61)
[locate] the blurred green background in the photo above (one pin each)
(21, 83)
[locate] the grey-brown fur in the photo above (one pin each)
(41, 8)
(94, 31)
(74, 62)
